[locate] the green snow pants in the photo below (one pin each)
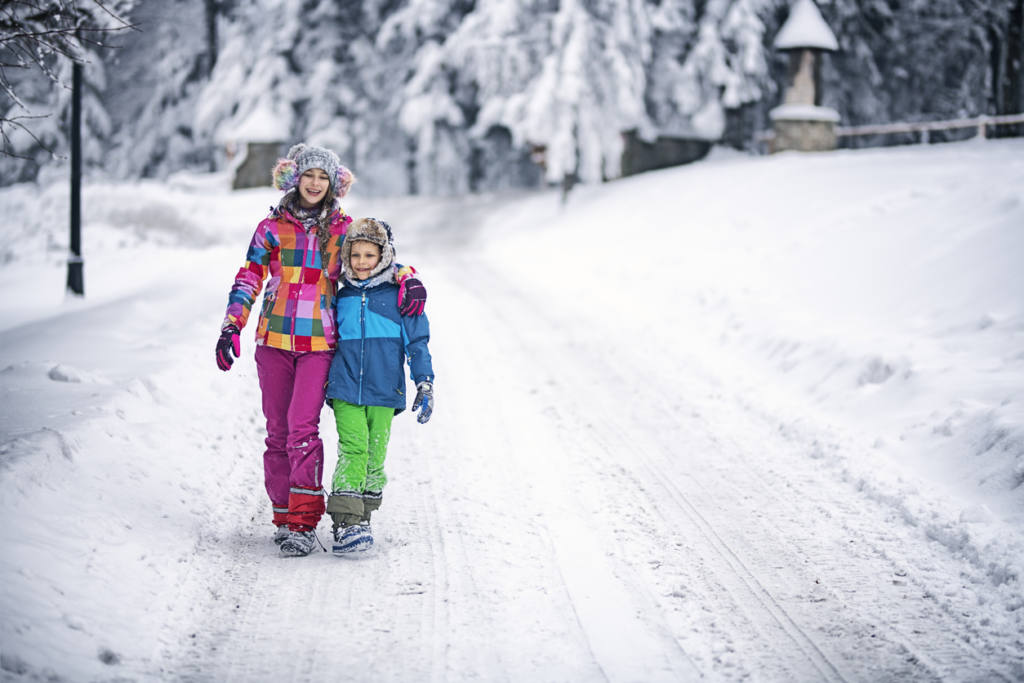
(359, 479)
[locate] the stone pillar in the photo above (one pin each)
(255, 167)
(803, 135)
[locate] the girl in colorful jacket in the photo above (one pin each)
(366, 383)
(298, 248)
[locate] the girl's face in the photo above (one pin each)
(364, 256)
(313, 185)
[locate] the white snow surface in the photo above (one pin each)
(752, 419)
(803, 112)
(805, 27)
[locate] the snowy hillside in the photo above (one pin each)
(756, 418)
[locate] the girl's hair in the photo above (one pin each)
(323, 225)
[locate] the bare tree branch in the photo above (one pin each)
(6, 124)
(36, 35)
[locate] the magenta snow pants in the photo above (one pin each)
(293, 385)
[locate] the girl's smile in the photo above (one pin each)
(313, 185)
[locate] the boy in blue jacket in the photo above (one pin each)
(366, 382)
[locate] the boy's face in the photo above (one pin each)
(364, 256)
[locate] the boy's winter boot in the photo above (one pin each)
(280, 533)
(355, 538)
(298, 543)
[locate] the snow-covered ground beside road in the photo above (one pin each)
(756, 418)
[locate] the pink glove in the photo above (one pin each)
(226, 345)
(412, 296)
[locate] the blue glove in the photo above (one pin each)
(424, 401)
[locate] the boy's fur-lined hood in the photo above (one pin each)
(369, 230)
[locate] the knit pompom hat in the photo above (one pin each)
(301, 158)
(368, 230)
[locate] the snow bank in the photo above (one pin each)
(879, 292)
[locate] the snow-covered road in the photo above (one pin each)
(608, 490)
(581, 511)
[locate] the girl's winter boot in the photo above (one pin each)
(298, 543)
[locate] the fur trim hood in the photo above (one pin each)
(368, 230)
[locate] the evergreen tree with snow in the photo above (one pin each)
(454, 96)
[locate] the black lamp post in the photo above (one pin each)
(76, 284)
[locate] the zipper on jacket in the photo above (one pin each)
(362, 345)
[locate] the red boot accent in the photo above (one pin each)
(305, 507)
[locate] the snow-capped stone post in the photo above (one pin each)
(800, 122)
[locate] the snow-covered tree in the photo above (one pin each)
(919, 60)
(563, 80)
(715, 61)
(450, 96)
(169, 53)
(39, 42)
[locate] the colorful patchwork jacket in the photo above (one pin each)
(298, 304)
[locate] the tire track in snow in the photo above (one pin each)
(890, 544)
(255, 615)
(625, 643)
(765, 614)
(904, 653)
(769, 617)
(877, 547)
(910, 644)
(744, 579)
(299, 618)
(775, 618)
(610, 613)
(435, 612)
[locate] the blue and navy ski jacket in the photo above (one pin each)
(374, 340)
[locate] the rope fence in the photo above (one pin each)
(982, 123)
(924, 128)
